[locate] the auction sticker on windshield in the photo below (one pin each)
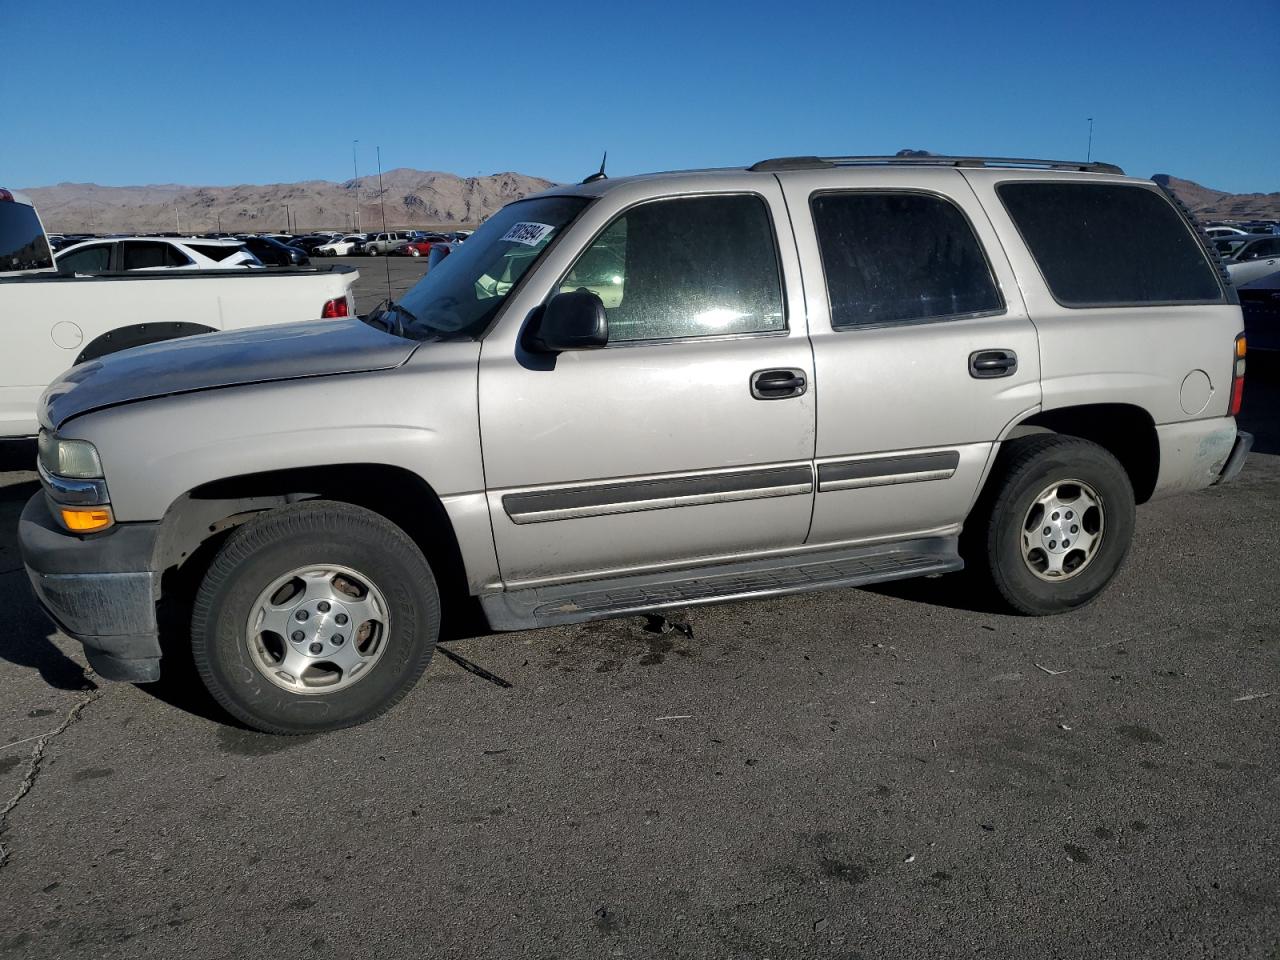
(530, 234)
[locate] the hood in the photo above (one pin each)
(311, 348)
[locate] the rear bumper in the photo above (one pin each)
(1235, 462)
(1194, 454)
(99, 590)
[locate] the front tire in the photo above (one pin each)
(313, 617)
(1056, 526)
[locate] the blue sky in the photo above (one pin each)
(262, 92)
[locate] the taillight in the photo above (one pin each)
(1237, 377)
(334, 308)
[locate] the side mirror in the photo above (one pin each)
(571, 321)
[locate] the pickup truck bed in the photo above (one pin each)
(51, 321)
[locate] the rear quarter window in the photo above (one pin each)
(1110, 244)
(22, 243)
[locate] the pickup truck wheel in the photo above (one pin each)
(313, 617)
(1059, 525)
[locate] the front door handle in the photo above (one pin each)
(778, 384)
(989, 364)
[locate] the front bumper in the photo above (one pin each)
(99, 590)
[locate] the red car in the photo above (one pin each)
(418, 248)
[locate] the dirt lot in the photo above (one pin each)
(867, 773)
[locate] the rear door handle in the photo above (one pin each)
(989, 364)
(778, 384)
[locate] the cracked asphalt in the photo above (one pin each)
(894, 772)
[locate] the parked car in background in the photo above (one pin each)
(381, 244)
(274, 253)
(1249, 257)
(1260, 301)
(419, 246)
(312, 241)
(55, 320)
(1215, 230)
(350, 245)
(153, 253)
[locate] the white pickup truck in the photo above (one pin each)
(50, 321)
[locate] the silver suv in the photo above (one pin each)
(646, 393)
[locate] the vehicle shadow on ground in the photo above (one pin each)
(16, 455)
(180, 685)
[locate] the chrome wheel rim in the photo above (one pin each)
(1063, 530)
(318, 629)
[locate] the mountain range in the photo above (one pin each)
(412, 198)
(1210, 204)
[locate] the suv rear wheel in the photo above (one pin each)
(1057, 524)
(314, 616)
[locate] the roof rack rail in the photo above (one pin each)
(820, 163)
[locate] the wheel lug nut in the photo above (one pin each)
(298, 636)
(340, 619)
(1066, 543)
(1074, 528)
(1053, 544)
(323, 606)
(316, 647)
(301, 614)
(1054, 517)
(339, 639)
(1069, 514)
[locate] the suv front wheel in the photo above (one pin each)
(1056, 526)
(314, 616)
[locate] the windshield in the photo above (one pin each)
(462, 293)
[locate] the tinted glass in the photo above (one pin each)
(1110, 244)
(22, 242)
(693, 267)
(93, 259)
(144, 254)
(1265, 248)
(217, 252)
(895, 257)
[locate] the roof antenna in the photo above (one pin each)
(599, 174)
(386, 258)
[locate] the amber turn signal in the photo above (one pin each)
(86, 519)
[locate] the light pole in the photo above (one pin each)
(355, 176)
(1088, 158)
(287, 227)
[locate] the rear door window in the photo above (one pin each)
(685, 267)
(148, 254)
(898, 257)
(1110, 244)
(95, 258)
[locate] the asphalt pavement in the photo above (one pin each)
(381, 277)
(890, 772)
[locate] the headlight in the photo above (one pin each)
(77, 459)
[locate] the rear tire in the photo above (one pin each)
(1055, 525)
(305, 565)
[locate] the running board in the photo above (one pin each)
(694, 586)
